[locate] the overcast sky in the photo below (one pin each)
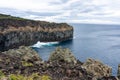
(71, 11)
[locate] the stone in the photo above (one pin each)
(61, 54)
(97, 68)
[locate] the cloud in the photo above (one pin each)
(77, 11)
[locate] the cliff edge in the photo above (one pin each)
(24, 63)
(15, 32)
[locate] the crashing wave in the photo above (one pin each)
(44, 44)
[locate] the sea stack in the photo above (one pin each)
(15, 32)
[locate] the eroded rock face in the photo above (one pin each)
(61, 54)
(62, 65)
(23, 61)
(20, 61)
(15, 32)
(25, 53)
(97, 68)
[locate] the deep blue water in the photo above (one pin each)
(101, 42)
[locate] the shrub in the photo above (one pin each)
(45, 77)
(1, 74)
(26, 64)
(34, 76)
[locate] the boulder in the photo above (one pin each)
(97, 68)
(61, 54)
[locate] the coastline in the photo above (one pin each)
(15, 32)
(61, 65)
(16, 59)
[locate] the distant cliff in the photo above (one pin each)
(15, 31)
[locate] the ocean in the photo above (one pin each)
(101, 42)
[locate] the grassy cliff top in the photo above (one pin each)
(4, 16)
(8, 23)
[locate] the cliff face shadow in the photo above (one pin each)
(67, 43)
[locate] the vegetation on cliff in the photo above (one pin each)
(15, 32)
(34, 76)
(25, 64)
(11, 23)
(3, 16)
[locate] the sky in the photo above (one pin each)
(70, 11)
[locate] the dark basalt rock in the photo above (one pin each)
(61, 54)
(25, 53)
(25, 61)
(97, 68)
(109, 78)
(15, 32)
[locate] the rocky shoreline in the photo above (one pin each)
(61, 65)
(19, 62)
(15, 32)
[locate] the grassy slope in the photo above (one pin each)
(17, 23)
(3, 16)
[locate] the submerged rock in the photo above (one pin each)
(97, 68)
(61, 54)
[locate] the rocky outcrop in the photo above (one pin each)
(97, 68)
(64, 55)
(15, 32)
(62, 65)
(25, 53)
(20, 61)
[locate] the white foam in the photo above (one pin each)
(42, 44)
(76, 36)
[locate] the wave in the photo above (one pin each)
(76, 36)
(44, 44)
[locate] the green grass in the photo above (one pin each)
(26, 64)
(1, 75)
(3, 16)
(34, 76)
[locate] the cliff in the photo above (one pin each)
(15, 31)
(61, 65)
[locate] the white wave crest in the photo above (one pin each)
(43, 44)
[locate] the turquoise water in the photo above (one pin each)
(101, 42)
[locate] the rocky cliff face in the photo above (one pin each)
(15, 32)
(62, 65)
(97, 68)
